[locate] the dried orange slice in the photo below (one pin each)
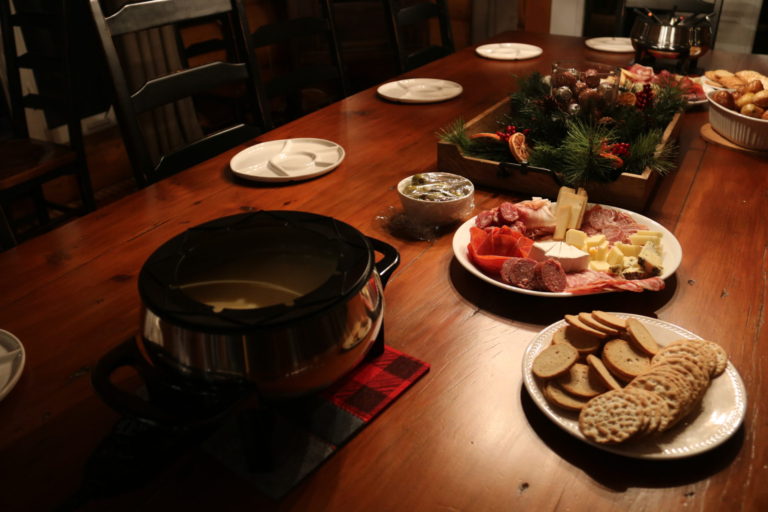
(518, 147)
(485, 135)
(616, 160)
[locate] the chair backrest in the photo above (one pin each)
(625, 14)
(310, 56)
(177, 85)
(411, 20)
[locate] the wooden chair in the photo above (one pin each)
(409, 30)
(165, 90)
(27, 164)
(305, 55)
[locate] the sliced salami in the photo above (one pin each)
(519, 272)
(550, 276)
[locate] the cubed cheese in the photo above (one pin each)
(594, 240)
(599, 252)
(650, 259)
(576, 238)
(615, 257)
(629, 249)
(600, 266)
(641, 239)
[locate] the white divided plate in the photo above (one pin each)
(287, 160)
(508, 51)
(12, 359)
(673, 253)
(611, 44)
(722, 409)
(420, 90)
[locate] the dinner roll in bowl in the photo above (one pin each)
(745, 131)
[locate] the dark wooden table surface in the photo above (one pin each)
(465, 437)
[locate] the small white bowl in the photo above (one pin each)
(747, 132)
(437, 212)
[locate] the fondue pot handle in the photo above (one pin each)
(126, 355)
(389, 262)
(168, 402)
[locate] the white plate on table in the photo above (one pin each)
(722, 411)
(611, 44)
(509, 51)
(12, 359)
(673, 253)
(287, 160)
(420, 90)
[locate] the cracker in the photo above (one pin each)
(580, 380)
(556, 395)
(641, 337)
(613, 417)
(577, 323)
(590, 321)
(609, 319)
(668, 386)
(554, 360)
(581, 341)
(624, 360)
(603, 373)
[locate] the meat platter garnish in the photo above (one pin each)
(566, 246)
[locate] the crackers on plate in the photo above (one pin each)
(621, 381)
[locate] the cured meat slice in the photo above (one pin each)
(613, 284)
(550, 276)
(519, 272)
(489, 248)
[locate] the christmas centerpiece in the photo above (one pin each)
(590, 127)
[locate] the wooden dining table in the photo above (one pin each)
(467, 436)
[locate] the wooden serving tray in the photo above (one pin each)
(630, 191)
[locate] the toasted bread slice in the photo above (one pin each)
(554, 360)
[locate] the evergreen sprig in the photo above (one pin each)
(571, 144)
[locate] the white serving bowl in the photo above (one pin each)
(747, 132)
(434, 212)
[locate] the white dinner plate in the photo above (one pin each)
(12, 359)
(420, 90)
(722, 410)
(611, 44)
(672, 257)
(509, 51)
(287, 160)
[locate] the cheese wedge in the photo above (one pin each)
(650, 259)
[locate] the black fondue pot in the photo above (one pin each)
(282, 302)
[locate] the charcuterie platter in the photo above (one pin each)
(622, 250)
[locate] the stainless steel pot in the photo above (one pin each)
(666, 39)
(288, 301)
(280, 303)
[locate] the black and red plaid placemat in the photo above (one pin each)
(291, 440)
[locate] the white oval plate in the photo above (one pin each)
(287, 160)
(722, 410)
(509, 51)
(12, 359)
(611, 44)
(673, 253)
(420, 90)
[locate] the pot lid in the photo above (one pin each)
(255, 270)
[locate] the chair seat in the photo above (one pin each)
(25, 160)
